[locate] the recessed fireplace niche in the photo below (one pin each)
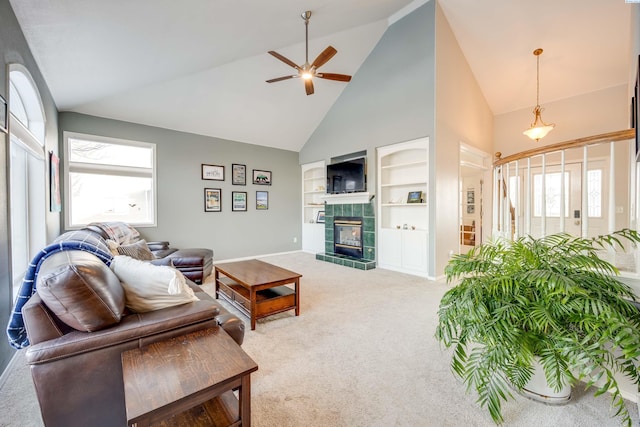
(347, 236)
(359, 243)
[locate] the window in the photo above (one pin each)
(552, 186)
(594, 193)
(109, 179)
(27, 172)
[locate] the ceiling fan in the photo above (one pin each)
(308, 71)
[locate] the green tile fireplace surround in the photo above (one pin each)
(364, 210)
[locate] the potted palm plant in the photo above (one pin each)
(551, 300)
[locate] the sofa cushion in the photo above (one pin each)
(138, 250)
(150, 287)
(81, 290)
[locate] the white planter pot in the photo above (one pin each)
(538, 389)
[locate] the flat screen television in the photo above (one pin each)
(347, 177)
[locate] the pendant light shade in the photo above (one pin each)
(539, 129)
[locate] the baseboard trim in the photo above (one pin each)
(255, 256)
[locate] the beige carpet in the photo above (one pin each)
(361, 353)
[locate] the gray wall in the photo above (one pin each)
(181, 216)
(390, 99)
(14, 50)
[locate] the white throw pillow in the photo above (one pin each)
(151, 287)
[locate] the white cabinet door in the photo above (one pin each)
(414, 250)
(390, 248)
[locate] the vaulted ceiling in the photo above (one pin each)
(200, 66)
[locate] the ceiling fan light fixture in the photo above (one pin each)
(538, 129)
(308, 71)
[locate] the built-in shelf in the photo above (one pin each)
(403, 171)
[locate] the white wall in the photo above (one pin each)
(593, 113)
(462, 115)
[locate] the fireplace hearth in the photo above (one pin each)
(347, 234)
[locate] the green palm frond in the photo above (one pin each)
(551, 298)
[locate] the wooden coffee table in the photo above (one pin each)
(257, 288)
(188, 381)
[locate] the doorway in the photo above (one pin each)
(474, 165)
(545, 213)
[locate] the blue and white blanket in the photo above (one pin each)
(73, 240)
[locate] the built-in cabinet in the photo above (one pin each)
(314, 183)
(403, 216)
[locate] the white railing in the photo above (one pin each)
(583, 187)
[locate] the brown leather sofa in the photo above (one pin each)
(78, 374)
(195, 263)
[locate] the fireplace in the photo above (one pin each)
(347, 235)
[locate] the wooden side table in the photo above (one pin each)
(188, 380)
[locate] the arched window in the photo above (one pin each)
(27, 169)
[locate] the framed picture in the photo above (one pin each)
(471, 209)
(414, 197)
(238, 174)
(212, 200)
(213, 172)
(471, 196)
(3, 115)
(261, 177)
(239, 201)
(262, 200)
(320, 217)
(55, 203)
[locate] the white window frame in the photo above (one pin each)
(29, 138)
(69, 167)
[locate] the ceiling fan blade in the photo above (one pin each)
(279, 79)
(333, 76)
(324, 56)
(285, 60)
(308, 85)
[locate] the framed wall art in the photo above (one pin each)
(3, 115)
(213, 172)
(261, 177)
(414, 197)
(212, 200)
(238, 174)
(262, 200)
(239, 201)
(320, 217)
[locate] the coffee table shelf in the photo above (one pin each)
(268, 301)
(257, 288)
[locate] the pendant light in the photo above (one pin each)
(538, 129)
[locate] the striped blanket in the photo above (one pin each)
(73, 240)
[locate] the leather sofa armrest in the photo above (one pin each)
(164, 252)
(158, 246)
(137, 326)
(162, 261)
(40, 322)
(232, 325)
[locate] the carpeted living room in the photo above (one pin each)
(301, 180)
(361, 353)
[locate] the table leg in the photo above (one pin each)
(297, 291)
(244, 404)
(217, 276)
(252, 304)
